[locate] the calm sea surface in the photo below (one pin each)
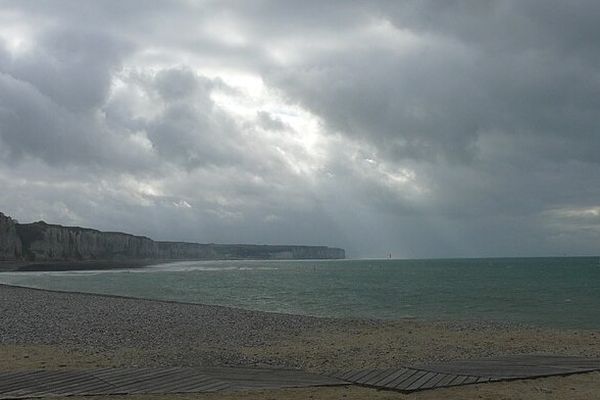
(561, 292)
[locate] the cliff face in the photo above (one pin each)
(43, 242)
(10, 244)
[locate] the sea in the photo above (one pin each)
(561, 292)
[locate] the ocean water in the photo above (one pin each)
(559, 292)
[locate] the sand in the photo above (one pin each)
(50, 330)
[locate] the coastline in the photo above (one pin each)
(103, 265)
(467, 322)
(56, 266)
(54, 330)
(187, 303)
(531, 294)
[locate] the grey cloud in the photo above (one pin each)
(436, 101)
(448, 128)
(32, 125)
(486, 70)
(269, 122)
(62, 67)
(507, 27)
(180, 83)
(192, 130)
(193, 136)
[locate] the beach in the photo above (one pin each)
(53, 330)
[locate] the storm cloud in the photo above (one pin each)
(420, 128)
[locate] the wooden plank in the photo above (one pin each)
(358, 375)
(169, 380)
(273, 378)
(260, 372)
(458, 380)
(182, 385)
(409, 381)
(516, 366)
(113, 381)
(97, 387)
(116, 372)
(209, 385)
(470, 379)
(27, 380)
(132, 375)
(163, 379)
(166, 385)
(374, 381)
(373, 374)
(26, 388)
(448, 378)
(433, 382)
(140, 382)
(116, 377)
(68, 385)
(340, 374)
(391, 377)
(62, 388)
(421, 381)
(10, 377)
(65, 379)
(463, 372)
(401, 378)
(299, 378)
(130, 378)
(345, 375)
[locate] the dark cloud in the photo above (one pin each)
(182, 84)
(460, 128)
(68, 72)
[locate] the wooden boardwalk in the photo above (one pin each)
(42, 383)
(31, 384)
(249, 378)
(464, 372)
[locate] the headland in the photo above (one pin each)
(43, 246)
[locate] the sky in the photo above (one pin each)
(417, 128)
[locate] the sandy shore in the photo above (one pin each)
(43, 329)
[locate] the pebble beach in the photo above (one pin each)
(45, 329)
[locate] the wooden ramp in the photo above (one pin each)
(464, 372)
(31, 384)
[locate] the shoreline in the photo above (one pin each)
(91, 265)
(104, 265)
(474, 321)
(186, 303)
(489, 322)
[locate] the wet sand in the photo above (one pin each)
(52, 330)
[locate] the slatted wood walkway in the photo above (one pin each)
(249, 378)
(41, 383)
(31, 384)
(464, 372)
